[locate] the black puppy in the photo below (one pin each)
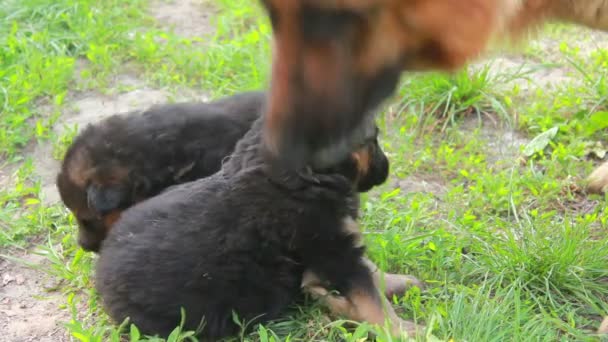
(241, 240)
(127, 158)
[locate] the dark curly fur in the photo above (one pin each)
(126, 158)
(238, 240)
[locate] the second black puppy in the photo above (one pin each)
(129, 157)
(241, 241)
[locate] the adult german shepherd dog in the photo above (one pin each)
(335, 61)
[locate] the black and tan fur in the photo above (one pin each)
(241, 240)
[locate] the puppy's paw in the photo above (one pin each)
(407, 328)
(598, 180)
(316, 292)
(603, 329)
(337, 305)
(310, 280)
(398, 284)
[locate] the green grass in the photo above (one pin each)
(510, 247)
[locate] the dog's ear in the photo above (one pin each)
(105, 199)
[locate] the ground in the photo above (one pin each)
(485, 200)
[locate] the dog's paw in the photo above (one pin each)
(398, 284)
(603, 329)
(310, 279)
(407, 328)
(316, 292)
(598, 180)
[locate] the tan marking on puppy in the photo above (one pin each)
(359, 306)
(603, 329)
(117, 175)
(398, 284)
(392, 284)
(110, 219)
(79, 168)
(351, 227)
(598, 180)
(363, 160)
(310, 279)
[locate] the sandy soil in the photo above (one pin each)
(29, 303)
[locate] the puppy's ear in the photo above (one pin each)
(375, 168)
(104, 199)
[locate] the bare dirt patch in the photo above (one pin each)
(5, 176)
(530, 74)
(503, 143)
(29, 306)
(187, 18)
(421, 184)
(544, 66)
(582, 39)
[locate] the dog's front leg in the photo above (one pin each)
(361, 300)
(392, 284)
(598, 180)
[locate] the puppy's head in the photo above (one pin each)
(334, 61)
(95, 195)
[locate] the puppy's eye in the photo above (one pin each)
(326, 23)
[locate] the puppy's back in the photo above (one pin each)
(130, 157)
(181, 141)
(209, 246)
